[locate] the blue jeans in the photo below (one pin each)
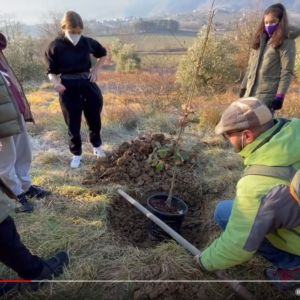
(278, 258)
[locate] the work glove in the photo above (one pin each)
(277, 102)
(242, 92)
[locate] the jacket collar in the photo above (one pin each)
(262, 139)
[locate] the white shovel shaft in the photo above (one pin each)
(236, 286)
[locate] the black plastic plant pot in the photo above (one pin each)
(171, 216)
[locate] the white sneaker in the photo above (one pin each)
(98, 151)
(75, 162)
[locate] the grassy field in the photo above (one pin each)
(75, 217)
(151, 42)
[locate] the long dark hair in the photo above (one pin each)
(278, 11)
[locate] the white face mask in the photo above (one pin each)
(73, 38)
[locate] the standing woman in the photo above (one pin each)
(272, 59)
(69, 69)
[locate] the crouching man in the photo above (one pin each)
(264, 217)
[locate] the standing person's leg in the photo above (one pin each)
(8, 172)
(8, 159)
(92, 110)
(23, 158)
(14, 254)
(71, 103)
(23, 164)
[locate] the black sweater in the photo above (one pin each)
(63, 57)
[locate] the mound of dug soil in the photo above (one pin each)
(130, 165)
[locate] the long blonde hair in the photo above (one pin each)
(70, 20)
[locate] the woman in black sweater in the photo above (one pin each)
(69, 69)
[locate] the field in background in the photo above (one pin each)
(152, 42)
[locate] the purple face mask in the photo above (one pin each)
(270, 29)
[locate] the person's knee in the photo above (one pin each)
(222, 213)
(217, 214)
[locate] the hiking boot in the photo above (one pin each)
(98, 151)
(286, 278)
(25, 205)
(36, 192)
(54, 266)
(75, 162)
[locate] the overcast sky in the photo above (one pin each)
(34, 11)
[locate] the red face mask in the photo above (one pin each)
(3, 42)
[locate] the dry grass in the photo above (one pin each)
(73, 218)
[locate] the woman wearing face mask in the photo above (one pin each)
(69, 69)
(272, 59)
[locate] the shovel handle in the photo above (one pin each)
(236, 286)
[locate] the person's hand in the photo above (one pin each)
(198, 263)
(0, 146)
(60, 88)
(93, 75)
(277, 102)
(242, 92)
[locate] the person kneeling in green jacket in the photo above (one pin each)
(264, 218)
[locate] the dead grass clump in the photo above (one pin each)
(210, 117)
(41, 98)
(159, 121)
(127, 116)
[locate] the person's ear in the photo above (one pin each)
(249, 136)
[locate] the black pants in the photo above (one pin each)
(81, 95)
(14, 254)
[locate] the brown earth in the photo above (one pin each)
(129, 165)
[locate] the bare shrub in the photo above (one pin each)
(125, 57)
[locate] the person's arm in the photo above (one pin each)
(55, 80)
(287, 54)
(239, 242)
(53, 68)
(243, 87)
(99, 52)
(95, 70)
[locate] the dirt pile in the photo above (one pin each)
(132, 165)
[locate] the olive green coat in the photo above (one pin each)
(270, 71)
(10, 118)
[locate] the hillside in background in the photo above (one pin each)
(190, 16)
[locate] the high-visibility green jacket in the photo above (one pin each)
(263, 206)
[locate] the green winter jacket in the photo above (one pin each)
(270, 71)
(10, 118)
(263, 207)
(7, 205)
